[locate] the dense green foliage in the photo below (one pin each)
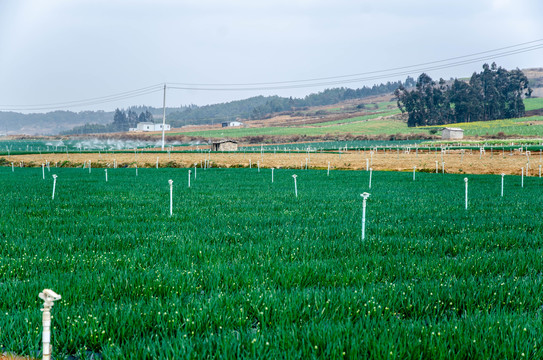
(494, 93)
(244, 269)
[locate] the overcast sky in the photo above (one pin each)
(59, 51)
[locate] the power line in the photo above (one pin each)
(295, 84)
(371, 72)
(385, 74)
(92, 101)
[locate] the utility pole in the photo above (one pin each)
(163, 116)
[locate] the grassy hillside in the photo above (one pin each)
(384, 122)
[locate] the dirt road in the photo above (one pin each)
(495, 162)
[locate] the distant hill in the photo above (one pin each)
(258, 107)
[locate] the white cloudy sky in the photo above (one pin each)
(58, 51)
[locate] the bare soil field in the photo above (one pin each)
(495, 162)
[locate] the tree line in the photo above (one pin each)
(122, 121)
(494, 93)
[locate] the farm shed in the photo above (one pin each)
(452, 133)
(224, 145)
(232, 123)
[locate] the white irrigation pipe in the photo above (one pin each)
(272, 173)
(539, 170)
(189, 177)
(89, 166)
(437, 167)
(54, 185)
(371, 172)
(136, 169)
(195, 165)
(48, 296)
(258, 164)
(522, 178)
(171, 196)
(157, 162)
(466, 181)
(295, 185)
(250, 164)
(328, 173)
(105, 171)
(502, 184)
(364, 198)
(443, 168)
(43, 171)
(414, 170)
(367, 164)
(13, 169)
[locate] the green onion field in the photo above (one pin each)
(244, 269)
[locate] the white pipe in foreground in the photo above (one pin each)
(328, 173)
(414, 170)
(295, 185)
(466, 181)
(189, 176)
(105, 170)
(522, 178)
(43, 171)
(48, 296)
(195, 164)
(272, 173)
(54, 185)
(502, 183)
(364, 198)
(171, 196)
(371, 173)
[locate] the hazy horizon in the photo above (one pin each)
(58, 52)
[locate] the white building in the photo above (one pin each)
(149, 126)
(232, 123)
(452, 133)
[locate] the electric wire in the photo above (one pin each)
(363, 73)
(295, 84)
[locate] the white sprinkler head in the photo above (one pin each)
(54, 176)
(295, 176)
(48, 296)
(170, 182)
(190, 171)
(365, 195)
(503, 174)
(466, 180)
